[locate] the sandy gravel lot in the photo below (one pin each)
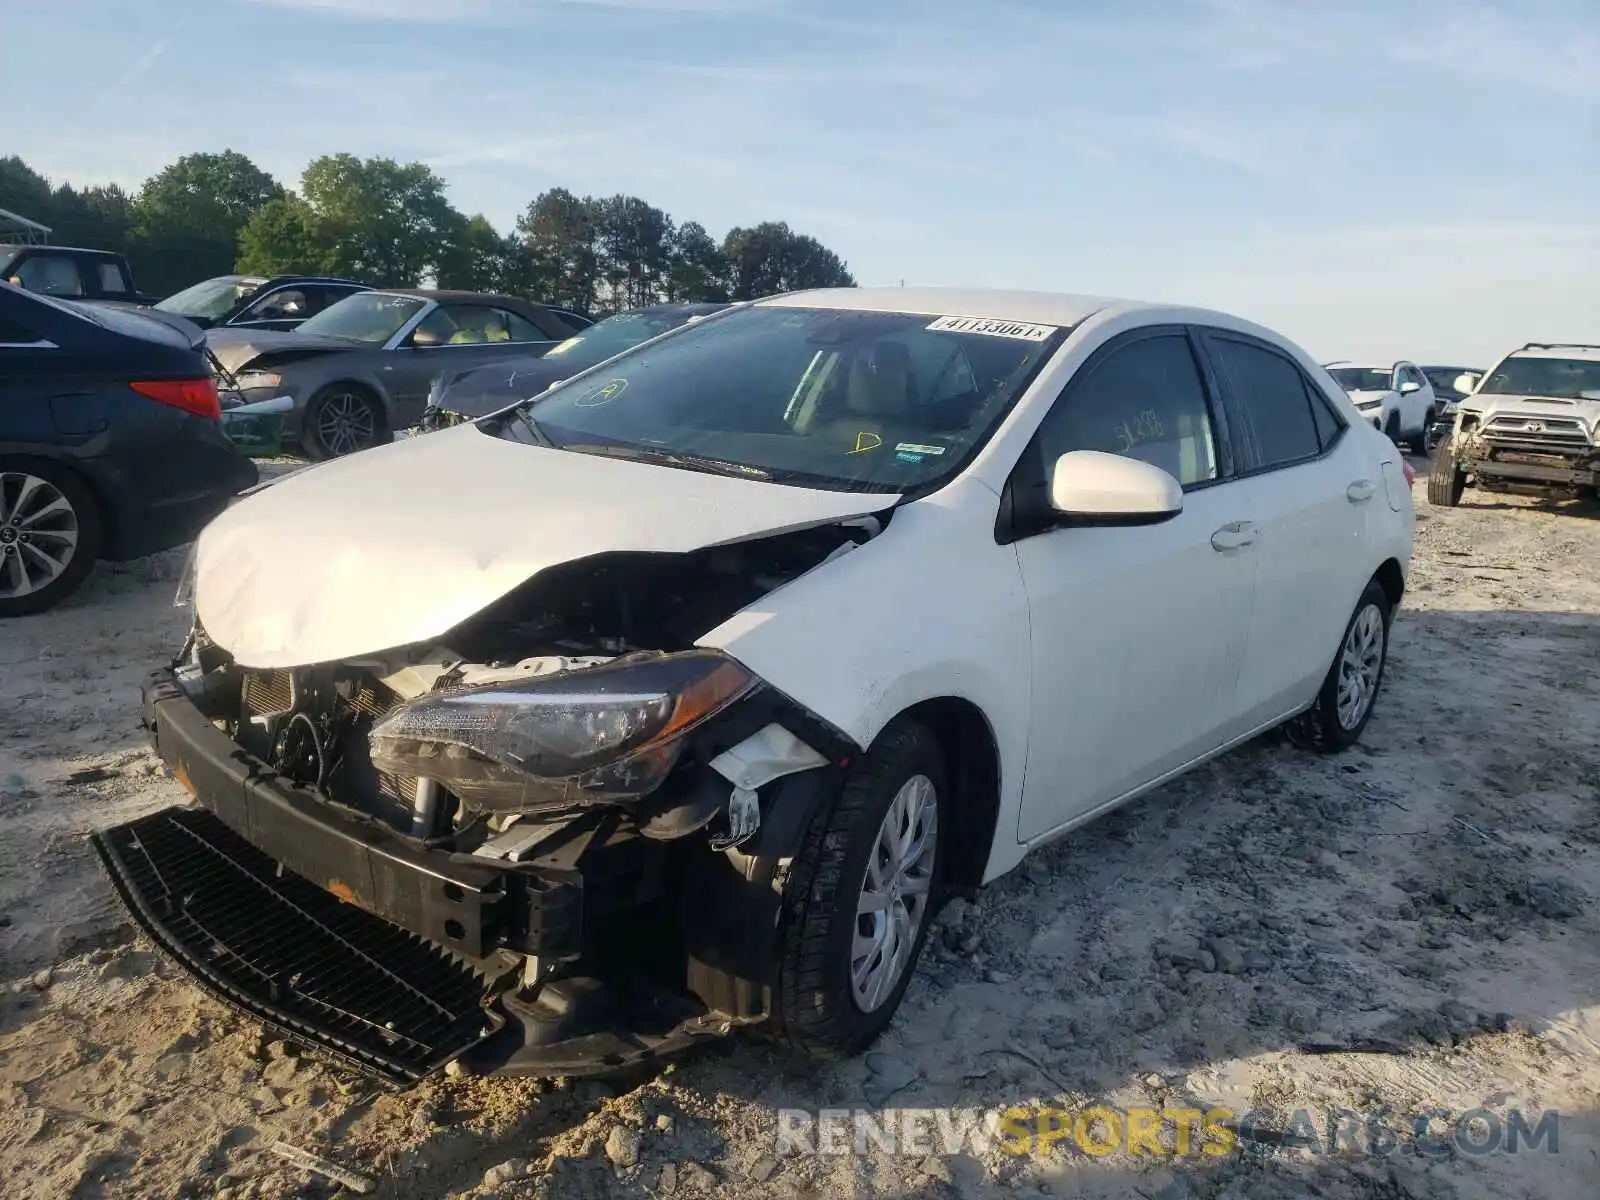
(1411, 925)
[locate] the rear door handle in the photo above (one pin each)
(1235, 535)
(1361, 491)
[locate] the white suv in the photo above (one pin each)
(1533, 421)
(1396, 399)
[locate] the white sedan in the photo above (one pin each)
(679, 697)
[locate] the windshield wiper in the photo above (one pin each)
(674, 458)
(539, 436)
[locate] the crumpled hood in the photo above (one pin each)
(402, 543)
(235, 348)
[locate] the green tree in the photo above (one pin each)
(383, 222)
(283, 237)
(476, 258)
(563, 262)
(190, 214)
(634, 247)
(772, 258)
(696, 270)
(100, 218)
(24, 191)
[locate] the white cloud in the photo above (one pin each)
(476, 12)
(145, 61)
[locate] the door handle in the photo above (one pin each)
(1361, 491)
(1235, 535)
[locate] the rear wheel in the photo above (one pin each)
(1350, 690)
(343, 419)
(861, 898)
(49, 534)
(1446, 480)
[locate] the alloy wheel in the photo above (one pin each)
(38, 533)
(345, 423)
(894, 893)
(1359, 664)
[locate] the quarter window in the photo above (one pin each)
(51, 274)
(111, 281)
(1143, 400)
(1278, 426)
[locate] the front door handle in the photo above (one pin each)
(1235, 535)
(1361, 491)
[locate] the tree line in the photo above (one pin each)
(390, 224)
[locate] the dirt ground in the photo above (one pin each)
(1411, 925)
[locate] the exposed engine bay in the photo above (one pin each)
(313, 724)
(553, 841)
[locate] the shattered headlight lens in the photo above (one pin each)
(611, 732)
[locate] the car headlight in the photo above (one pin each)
(257, 379)
(611, 732)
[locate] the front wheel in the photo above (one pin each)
(861, 898)
(1344, 702)
(1446, 480)
(341, 420)
(1423, 442)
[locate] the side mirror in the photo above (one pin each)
(1409, 386)
(1094, 488)
(1466, 383)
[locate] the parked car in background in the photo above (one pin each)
(1397, 399)
(572, 316)
(111, 443)
(482, 390)
(1532, 422)
(71, 273)
(1450, 385)
(679, 698)
(259, 301)
(350, 376)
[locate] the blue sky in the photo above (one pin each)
(1406, 178)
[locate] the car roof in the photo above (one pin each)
(1046, 308)
(1368, 366)
(1583, 353)
(66, 250)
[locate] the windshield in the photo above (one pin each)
(1362, 379)
(211, 298)
(1444, 378)
(1563, 378)
(853, 401)
(612, 336)
(372, 317)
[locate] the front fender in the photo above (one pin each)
(929, 609)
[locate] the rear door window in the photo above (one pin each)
(51, 274)
(1278, 426)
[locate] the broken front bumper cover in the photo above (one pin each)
(397, 958)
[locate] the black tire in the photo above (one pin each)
(82, 519)
(364, 432)
(1446, 480)
(1320, 727)
(815, 1010)
(1422, 443)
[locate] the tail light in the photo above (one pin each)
(197, 396)
(1408, 471)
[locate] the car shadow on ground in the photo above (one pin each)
(1393, 926)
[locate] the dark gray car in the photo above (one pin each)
(353, 374)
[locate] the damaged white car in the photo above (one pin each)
(679, 698)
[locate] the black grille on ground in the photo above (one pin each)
(291, 954)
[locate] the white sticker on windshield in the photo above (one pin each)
(1021, 330)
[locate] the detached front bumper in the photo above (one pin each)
(398, 958)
